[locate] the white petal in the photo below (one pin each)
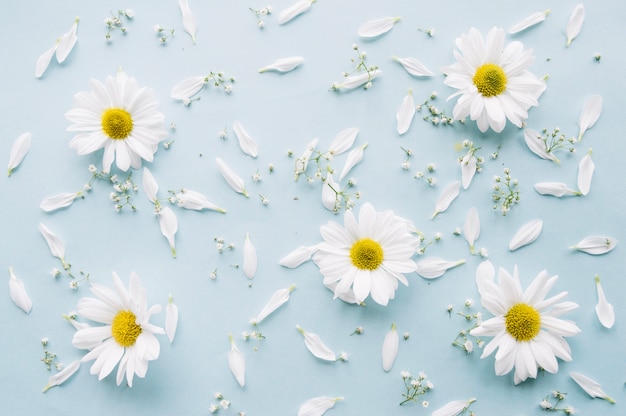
(57, 248)
(468, 169)
(317, 406)
(432, 267)
(189, 199)
(447, 196)
(187, 88)
(303, 161)
(537, 146)
(284, 64)
(604, 310)
(231, 178)
(44, 61)
(595, 245)
(171, 319)
(343, 141)
(330, 194)
(590, 386)
(557, 189)
(531, 20)
(247, 143)
(20, 147)
(62, 376)
(575, 23)
(150, 186)
(377, 27)
(354, 158)
(237, 362)
(66, 43)
(354, 81)
(589, 115)
(453, 408)
(405, 113)
(526, 234)
(279, 298)
(471, 228)
(390, 347)
(315, 345)
(294, 10)
(585, 173)
(18, 292)
(413, 66)
(249, 258)
(169, 226)
(59, 201)
(300, 255)
(189, 20)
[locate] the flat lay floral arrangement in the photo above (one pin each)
(311, 209)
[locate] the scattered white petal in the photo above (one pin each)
(249, 258)
(447, 196)
(413, 67)
(18, 292)
(63, 375)
(589, 115)
(20, 147)
(557, 189)
(527, 233)
(453, 408)
(330, 193)
(575, 23)
(343, 141)
(468, 169)
(354, 158)
(189, 199)
(171, 319)
(62, 200)
(66, 43)
(169, 226)
(303, 161)
(57, 248)
(300, 255)
(317, 406)
(433, 267)
(294, 10)
(284, 64)
(44, 61)
(390, 347)
(405, 113)
(150, 186)
(537, 146)
(531, 20)
(585, 173)
(187, 88)
(377, 27)
(247, 143)
(231, 178)
(354, 81)
(189, 20)
(315, 345)
(604, 310)
(237, 362)
(279, 298)
(595, 245)
(590, 386)
(471, 228)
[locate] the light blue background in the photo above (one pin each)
(285, 112)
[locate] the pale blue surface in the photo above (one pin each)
(285, 112)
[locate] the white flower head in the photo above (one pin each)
(493, 81)
(120, 117)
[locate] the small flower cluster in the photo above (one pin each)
(425, 244)
(259, 13)
(556, 140)
(431, 180)
(163, 33)
(435, 115)
(505, 193)
(464, 340)
(122, 190)
(222, 247)
(257, 335)
(221, 404)
(218, 79)
(415, 387)
(115, 22)
(470, 153)
(558, 397)
(49, 358)
(348, 199)
(361, 68)
(67, 271)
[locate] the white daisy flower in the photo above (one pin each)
(120, 117)
(367, 257)
(127, 337)
(526, 327)
(493, 80)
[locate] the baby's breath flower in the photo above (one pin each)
(415, 387)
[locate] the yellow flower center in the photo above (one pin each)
(117, 123)
(124, 328)
(366, 254)
(523, 322)
(490, 80)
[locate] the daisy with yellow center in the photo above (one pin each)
(526, 328)
(126, 338)
(367, 257)
(119, 117)
(493, 81)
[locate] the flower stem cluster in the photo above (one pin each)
(49, 358)
(221, 246)
(464, 340)
(218, 79)
(221, 403)
(257, 335)
(259, 13)
(360, 67)
(163, 33)
(357, 331)
(429, 32)
(67, 271)
(415, 387)
(431, 180)
(435, 115)
(470, 155)
(556, 140)
(116, 22)
(505, 193)
(551, 403)
(345, 198)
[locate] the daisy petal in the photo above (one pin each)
(433, 267)
(590, 386)
(537, 146)
(390, 348)
(527, 233)
(529, 21)
(52, 203)
(585, 173)
(169, 226)
(575, 23)
(557, 189)
(448, 195)
(63, 375)
(589, 115)
(283, 64)
(249, 258)
(18, 292)
(150, 186)
(377, 27)
(405, 113)
(471, 228)
(413, 67)
(66, 43)
(317, 406)
(354, 158)
(294, 10)
(246, 143)
(20, 147)
(171, 319)
(44, 61)
(453, 408)
(604, 310)
(237, 362)
(278, 299)
(343, 141)
(189, 20)
(231, 178)
(315, 345)
(595, 245)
